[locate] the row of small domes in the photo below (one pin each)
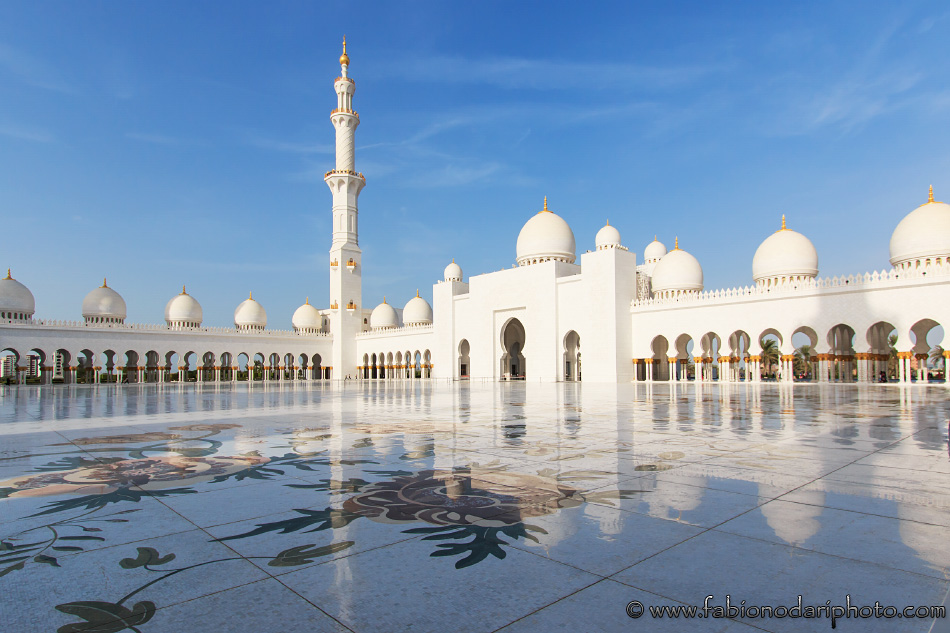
(786, 254)
(105, 305)
(416, 312)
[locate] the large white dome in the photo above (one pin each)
(453, 272)
(16, 300)
(677, 272)
(545, 237)
(383, 316)
(183, 310)
(417, 311)
(924, 233)
(654, 251)
(103, 305)
(250, 315)
(786, 254)
(307, 319)
(607, 237)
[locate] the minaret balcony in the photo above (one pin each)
(334, 264)
(334, 306)
(351, 306)
(344, 111)
(348, 172)
(351, 265)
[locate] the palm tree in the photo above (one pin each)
(937, 360)
(803, 360)
(892, 360)
(770, 355)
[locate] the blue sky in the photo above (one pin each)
(177, 142)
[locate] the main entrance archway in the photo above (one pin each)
(512, 342)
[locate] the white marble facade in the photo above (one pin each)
(551, 317)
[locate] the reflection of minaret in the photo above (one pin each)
(346, 289)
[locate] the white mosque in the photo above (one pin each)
(652, 321)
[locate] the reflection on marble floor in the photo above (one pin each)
(441, 507)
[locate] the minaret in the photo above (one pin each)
(346, 288)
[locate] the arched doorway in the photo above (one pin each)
(572, 356)
(464, 359)
(512, 359)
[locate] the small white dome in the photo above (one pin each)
(654, 252)
(307, 318)
(544, 237)
(453, 272)
(183, 310)
(103, 304)
(785, 254)
(383, 316)
(15, 299)
(250, 315)
(417, 311)
(607, 237)
(923, 233)
(678, 271)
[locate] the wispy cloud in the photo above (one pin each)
(26, 134)
(290, 147)
(159, 139)
(543, 74)
(32, 71)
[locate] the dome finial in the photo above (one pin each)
(250, 295)
(784, 228)
(417, 293)
(183, 289)
(930, 198)
(8, 274)
(307, 302)
(384, 298)
(676, 243)
(344, 58)
(545, 205)
(104, 283)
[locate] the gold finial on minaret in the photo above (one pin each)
(930, 198)
(8, 274)
(344, 58)
(676, 243)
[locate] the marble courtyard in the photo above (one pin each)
(432, 506)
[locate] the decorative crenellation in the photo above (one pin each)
(875, 279)
(406, 329)
(151, 327)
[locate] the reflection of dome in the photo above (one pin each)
(784, 255)
(250, 315)
(16, 300)
(795, 522)
(923, 234)
(654, 251)
(607, 237)
(417, 311)
(103, 305)
(545, 237)
(383, 316)
(453, 272)
(183, 310)
(307, 319)
(678, 272)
